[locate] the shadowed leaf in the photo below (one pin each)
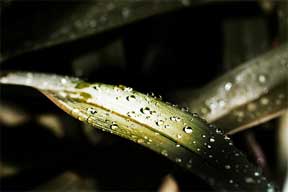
(252, 93)
(175, 133)
(73, 20)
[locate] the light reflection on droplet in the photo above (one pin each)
(188, 129)
(228, 86)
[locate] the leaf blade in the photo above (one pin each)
(236, 95)
(178, 135)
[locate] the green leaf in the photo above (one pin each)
(250, 94)
(74, 20)
(175, 133)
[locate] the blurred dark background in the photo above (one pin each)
(181, 49)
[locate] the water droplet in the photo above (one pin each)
(185, 109)
(262, 79)
(174, 118)
(125, 13)
(256, 173)
(164, 152)
(187, 129)
(231, 181)
(209, 146)
(204, 136)
(159, 123)
(178, 160)
(114, 126)
(4, 80)
(195, 115)
(213, 106)
(210, 156)
(227, 138)
(221, 103)
(204, 110)
(91, 110)
(140, 140)
(131, 113)
(185, 2)
(128, 89)
(249, 180)
(145, 110)
(251, 107)
(212, 140)
(237, 154)
(178, 145)
(218, 131)
(179, 136)
(63, 81)
(96, 87)
(264, 101)
(131, 98)
(228, 86)
(63, 94)
(227, 167)
(166, 126)
(198, 149)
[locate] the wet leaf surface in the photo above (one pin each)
(252, 93)
(175, 133)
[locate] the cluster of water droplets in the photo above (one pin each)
(206, 145)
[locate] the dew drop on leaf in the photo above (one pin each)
(227, 167)
(140, 140)
(63, 81)
(128, 89)
(185, 2)
(221, 103)
(212, 140)
(178, 160)
(131, 113)
(188, 129)
(251, 107)
(174, 118)
(228, 86)
(264, 101)
(159, 123)
(145, 110)
(91, 110)
(114, 126)
(125, 13)
(131, 98)
(262, 79)
(166, 126)
(164, 152)
(249, 180)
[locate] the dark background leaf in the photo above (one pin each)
(180, 49)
